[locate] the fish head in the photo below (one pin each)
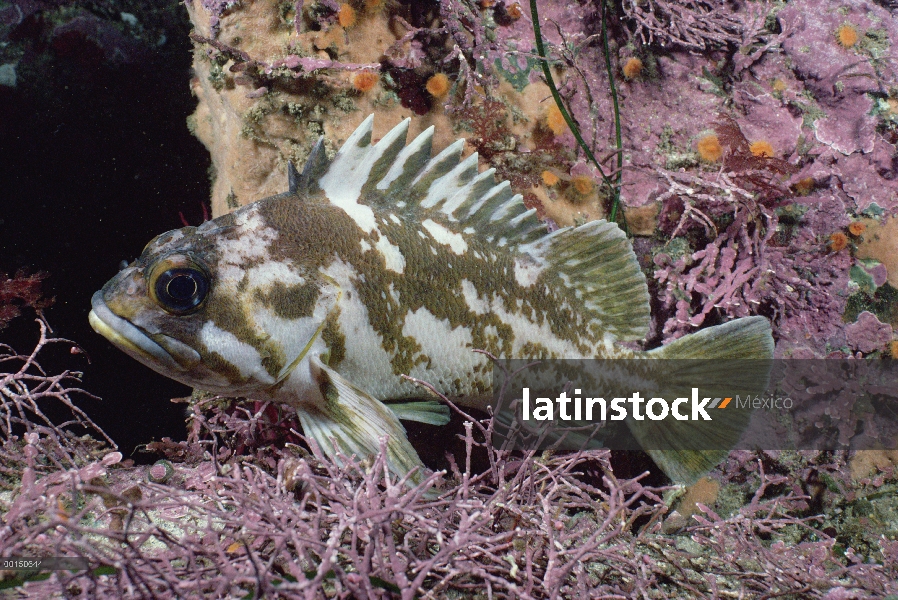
(218, 307)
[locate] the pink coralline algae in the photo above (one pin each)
(868, 179)
(217, 9)
(767, 119)
(867, 334)
(685, 24)
(822, 105)
(842, 88)
(765, 267)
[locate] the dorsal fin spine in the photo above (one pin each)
(443, 187)
(384, 153)
(438, 167)
(506, 210)
(316, 165)
(294, 180)
(518, 220)
(349, 171)
(409, 162)
(361, 137)
(494, 195)
(473, 190)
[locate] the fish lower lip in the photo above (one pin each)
(135, 342)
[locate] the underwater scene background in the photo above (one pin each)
(748, 149)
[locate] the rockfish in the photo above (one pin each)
(381, 262)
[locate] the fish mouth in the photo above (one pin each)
(156, 351)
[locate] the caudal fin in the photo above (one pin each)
(746, 338)
(723, 361)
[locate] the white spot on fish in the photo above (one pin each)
(446, 348)
(270, 272)
(163, 240)
(366, 360)
(240, 355)
(365, 245)
(442, 235)
(393, 256)
(526, 270)
(525, 330)
(341, 273)
(249, 242)
(361, 214)
(476, 304)
(291, 335)
(395, 219)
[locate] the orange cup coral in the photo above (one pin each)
(365, 81)
(514, 11)
(709, 148)
(632, 68)
(555, 120)
(346, 16)
(847, 36)
(838, 241)
(804, 186)
(583, 184)
(761, 148)
(438, 85)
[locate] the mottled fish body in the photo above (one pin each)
(382, 262)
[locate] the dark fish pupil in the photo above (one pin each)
(181, 287)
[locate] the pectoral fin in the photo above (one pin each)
(355, 421)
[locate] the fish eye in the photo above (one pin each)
(181, 290)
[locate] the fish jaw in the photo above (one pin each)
(160, 352)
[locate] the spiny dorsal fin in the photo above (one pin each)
(444, 188)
